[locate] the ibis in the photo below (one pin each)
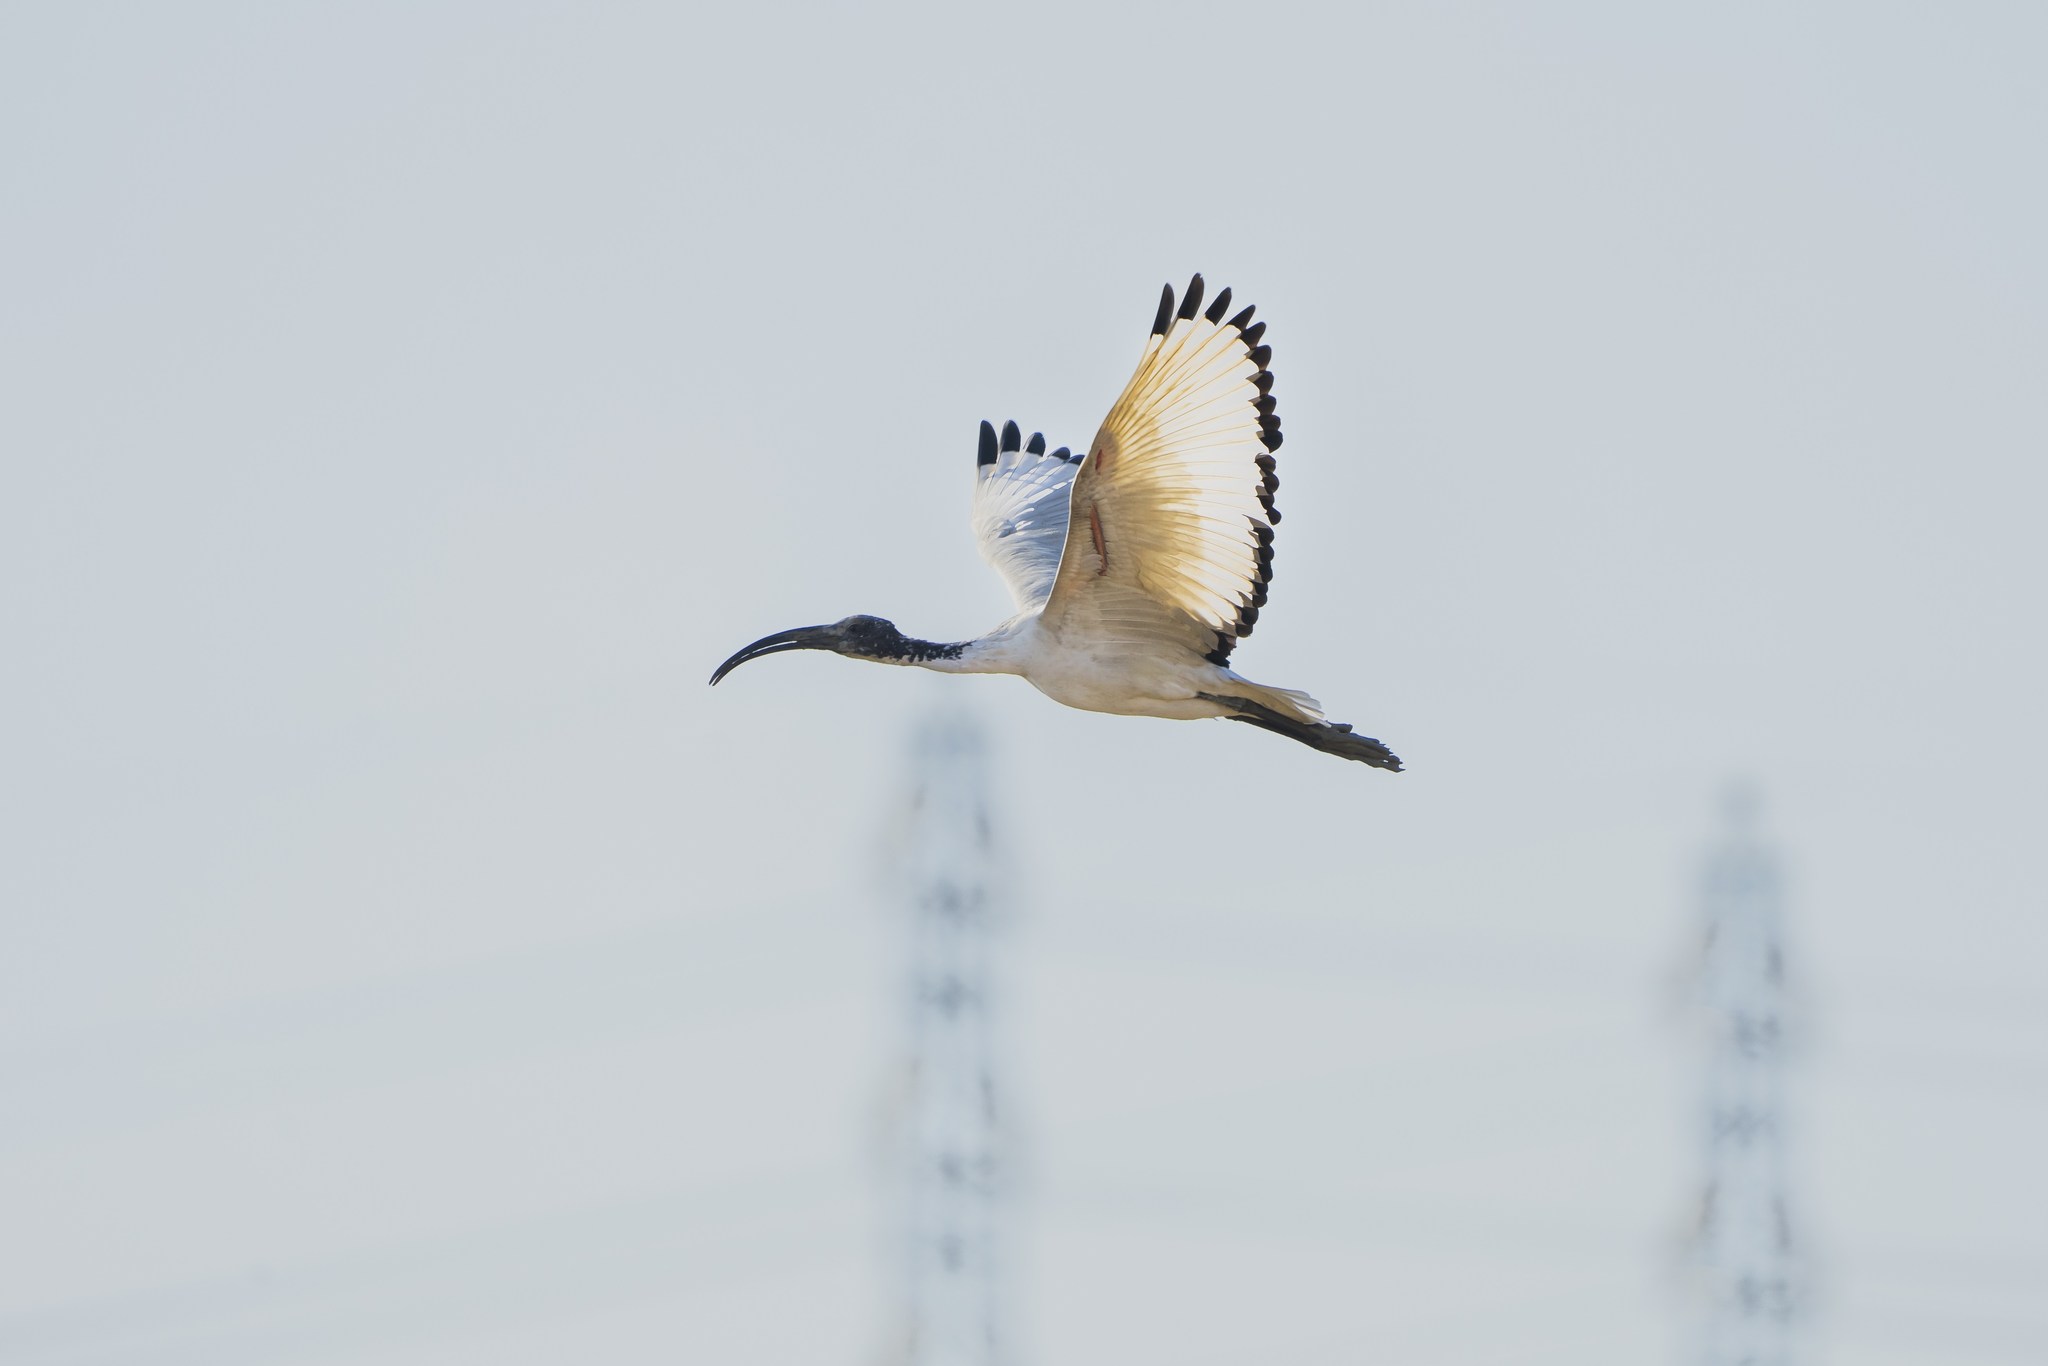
(1138, 565)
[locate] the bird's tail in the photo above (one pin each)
(1331, 737)
(1287, 702)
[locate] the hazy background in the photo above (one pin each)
(405, 958)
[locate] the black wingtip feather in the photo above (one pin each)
(987, 454)
(1012, 438)
(1251, 335)
(1063, 454)
(1036, 445)
(1165, 314)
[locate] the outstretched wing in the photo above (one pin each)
(1020, 510)
(1171, 516)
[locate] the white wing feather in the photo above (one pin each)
(1020, 511)
(1170, 524)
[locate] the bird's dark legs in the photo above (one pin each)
(1331, 737)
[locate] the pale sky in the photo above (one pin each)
(405, 958)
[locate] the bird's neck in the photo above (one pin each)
(942, 655)
(994, 653)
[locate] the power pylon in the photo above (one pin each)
(951, 1157)
(1744, 1258)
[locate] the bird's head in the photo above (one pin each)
(859, 637)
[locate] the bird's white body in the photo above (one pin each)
(1138, 565)
(1135, 679)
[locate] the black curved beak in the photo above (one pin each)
(799, 638)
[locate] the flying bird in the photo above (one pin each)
(1137, 566)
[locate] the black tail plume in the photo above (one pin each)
(1331, 737)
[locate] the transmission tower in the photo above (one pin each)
(1744, 1257)
(952, 1166)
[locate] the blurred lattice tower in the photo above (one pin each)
(951, 1175)
(1745, 1263)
